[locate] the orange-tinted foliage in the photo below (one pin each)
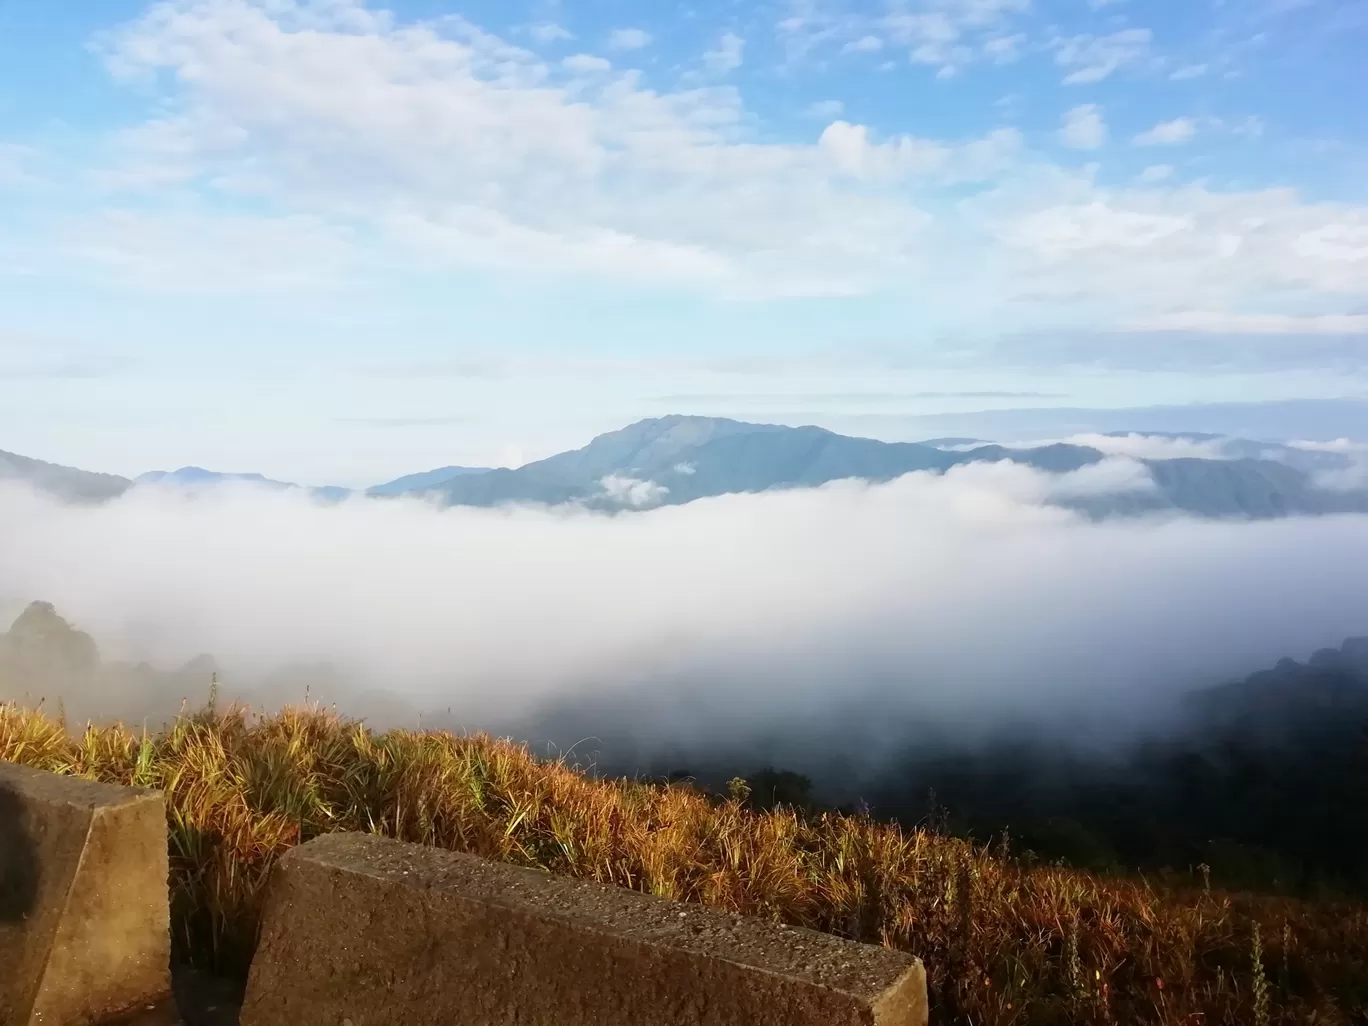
(1003, 943)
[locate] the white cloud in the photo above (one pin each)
(809, 26)
(387, 145)
(1094, 58)
(1083, 128)
(1005, 49)
(865, 44)
(1347, 479)
(1189, 71)
(1168, 133)
(1352, 477)
(852, 152)
(1147, 250)
(629, 491)
(458, 149)
(1156, 173)
(1113, 476)
(934, 38)
(727, 55)
(629, 39)
(950, 34)
(1222, 323)
(1342, 445)
(748, 603)
(549, 32)
(1061, 231)
(587, 63)
(1136, 446)
(1338, 243)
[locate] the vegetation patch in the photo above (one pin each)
(1004, 942)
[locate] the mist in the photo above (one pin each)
(961, 603)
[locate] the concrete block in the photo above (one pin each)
(84, 905)
(364, 931)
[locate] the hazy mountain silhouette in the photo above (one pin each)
(677, 459)
(1264, 778)
(65, 483)
(198, 477)
(43, 658)
(1279, 418)
(686, 458)
(423, 481)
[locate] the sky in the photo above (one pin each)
(334, 241)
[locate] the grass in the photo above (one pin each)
(1003, 942)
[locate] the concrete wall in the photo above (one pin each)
(84, 920)
(362, 931)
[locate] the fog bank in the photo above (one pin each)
(961, 601)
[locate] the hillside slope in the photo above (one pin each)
(1005, 943)
(682, 459)
(678, 459)
(66, 483)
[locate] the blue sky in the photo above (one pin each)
(337, 241)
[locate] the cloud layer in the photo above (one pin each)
(327, 141)
(475, 153)
(960, 600)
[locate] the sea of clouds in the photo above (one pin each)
(961, 600)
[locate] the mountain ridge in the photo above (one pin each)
(679, 458)
(198, 477)
(67, 483)
(422, 480)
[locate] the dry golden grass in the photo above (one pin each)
(1002, 943)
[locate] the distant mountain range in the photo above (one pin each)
(198, 477)
(423, 481)
(65, 483)
(673, 460)
(1282, 418)
(678, 459)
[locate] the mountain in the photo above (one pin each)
(687, 458)
(198, 477)
(1308, 460)
(45, 658)
(1299, 456)
(191, 477)
(677, 459)
(1262, 779)
(953, 442)
(423, 481)
(643, 451)
(66, 483)
(40, 638)
(1321, 419)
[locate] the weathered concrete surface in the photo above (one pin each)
(84, 909)
(199, 1000)
(362, 931)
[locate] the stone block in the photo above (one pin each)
(84, 906)
(364, 931)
